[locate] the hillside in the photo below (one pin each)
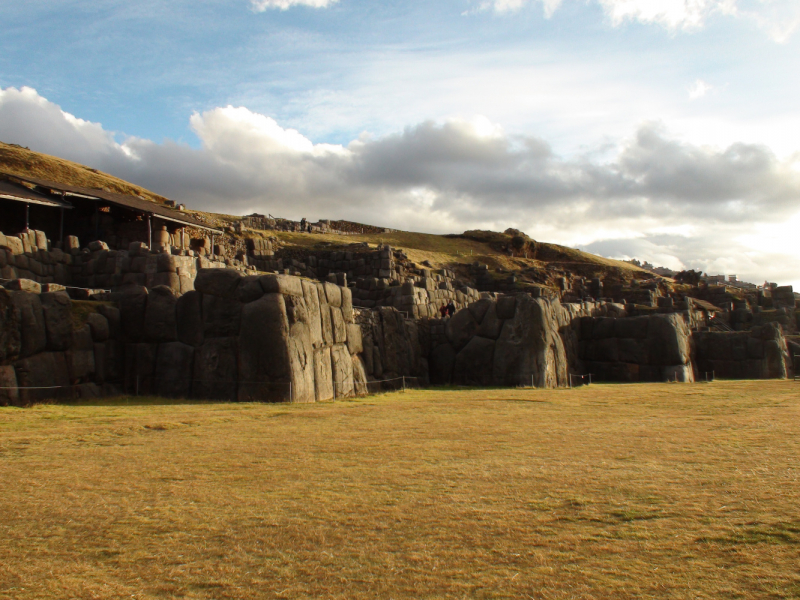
(18, 160)
(536, 263)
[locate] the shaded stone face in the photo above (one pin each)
(160, 322)
(10, 326)
(33, 334)
(174, 370)
(474, 364)
(263, 350)
(189, 318)
(215, 369)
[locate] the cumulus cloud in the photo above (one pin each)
(779, 18)
(262, 5)
(434, 176)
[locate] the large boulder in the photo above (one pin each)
(333, 294)
(174, 366)
(98, 324)
(132, 307)
(160, 322)
(189, 318)
(338, 325)
(301, 361)
(460, 328)
(249, 289)
(221, 316)
(218, 282)
(325, 316)
(282, 284)
(140, 368)
(775, 359)
(506, 307)
(215, 370)
(529, 349)
(43, 376)
(474, 364)
(397, 340)
(10, 341)
(669, 340)
(80, 356)
(108, 361)
(57, 309)
(264, 368)
(360, 382)
(631, 327)
(311, 297)
(479, 308)
(491, 325)
(342, 368)
(33, 332)
(112, 315)
(347, 305)
(442, 360)
(323, 374)
(9, 394)
(355, 343)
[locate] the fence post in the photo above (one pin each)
(404, 383)
(290, 392)
(590, 379)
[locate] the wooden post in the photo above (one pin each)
(27, 216)
(149, 232)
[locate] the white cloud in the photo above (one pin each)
(262, 5)
(699, 89)
(672, 14)
(779, 18)
(690, 203)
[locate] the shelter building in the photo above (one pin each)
(92, 214)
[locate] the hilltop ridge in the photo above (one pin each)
(473, 254)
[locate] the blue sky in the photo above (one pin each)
(660, 129)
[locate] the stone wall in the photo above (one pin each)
(246, 338)
(43, 345)
(30, 256)
(281, 338)
(647, 348)
(760, 353)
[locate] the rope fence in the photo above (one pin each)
(69, 287)
(231, 389)
(580, 379)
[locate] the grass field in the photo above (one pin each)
(636, 491)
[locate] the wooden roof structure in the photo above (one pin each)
(19, 193)
(134, 203)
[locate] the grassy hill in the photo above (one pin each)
(456, 252)
(22, 161)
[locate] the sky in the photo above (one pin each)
(665, 130)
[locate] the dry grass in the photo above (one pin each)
(639, 491)
(445, 251)
(21, 161)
